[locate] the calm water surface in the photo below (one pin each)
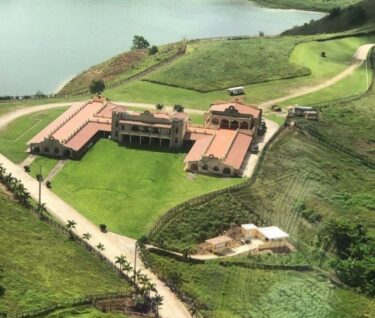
(43, 43)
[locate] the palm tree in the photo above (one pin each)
(187, 251)
(22, 195)
(41, 208)
(70, 225)
(86, 236)
(157, 301)
(100, 247)
(121, 261)
(127, 268)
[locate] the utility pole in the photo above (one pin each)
(40, 186)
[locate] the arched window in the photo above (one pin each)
(216, 168)
(194, 167)
(234, 124)
(244, 125)
(226, 171)
(224, 124)
(205, 167)
(215, 122)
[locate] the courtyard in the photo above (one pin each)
(128, 189)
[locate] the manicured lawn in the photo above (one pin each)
(354, 84)
(222, 64)
(234, 291)
(14, 137)
(128, 189)
(46, 163)
(40, 267)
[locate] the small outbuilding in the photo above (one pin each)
(239, 90)
(219, 243)
(272, 233)
(249, 230)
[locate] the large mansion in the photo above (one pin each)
(217, 147)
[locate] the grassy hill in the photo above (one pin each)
(119, 67)
(40, 267)
(218, 65)
(338, 20)
(317, 5)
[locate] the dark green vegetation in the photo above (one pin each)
(41, 267)
(83, 312)
(119, 67)
(235, 291)
(129, 188)
(231, 63)
(318, 5)
(338, 20)
(355, 262)
(13, 139)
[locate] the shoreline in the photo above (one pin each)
(266, 4)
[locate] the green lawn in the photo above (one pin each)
(129, 189)
(234, 292)
(40, 267)
(221, 64)
(14, 137)
(46, 163)
(339, 55)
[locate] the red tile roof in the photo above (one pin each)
(242, 108)
(86, 133)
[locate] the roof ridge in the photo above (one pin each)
(231, 144)
(75, 132)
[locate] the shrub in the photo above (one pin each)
(49, 184)
(153, 50)
(103, 228)
(97, 86)
(27, 168)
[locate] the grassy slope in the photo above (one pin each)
(234, 292)
(41, 267)
(221, 64)
(348, 19)
(119, 67)
(295, 168)
(319, 5)
(128, 189)
(14, 137)
(46, 163)
(305, 54)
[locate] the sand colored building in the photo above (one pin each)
(153, 128)
(218, 147)
(72, 133)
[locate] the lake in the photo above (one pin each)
(44, 43)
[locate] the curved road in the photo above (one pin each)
(116, 245)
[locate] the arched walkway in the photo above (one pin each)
(224, 124)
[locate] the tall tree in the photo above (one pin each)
(139, 42)
(120, 260)
(97, 86)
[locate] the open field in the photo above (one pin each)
(221, 64)
(339, 57)
(119, 67)
(13, 139)
(40, 267)
(128, 188)
(349, 124)
(296, 169)
(234, 291)
(318, 5)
